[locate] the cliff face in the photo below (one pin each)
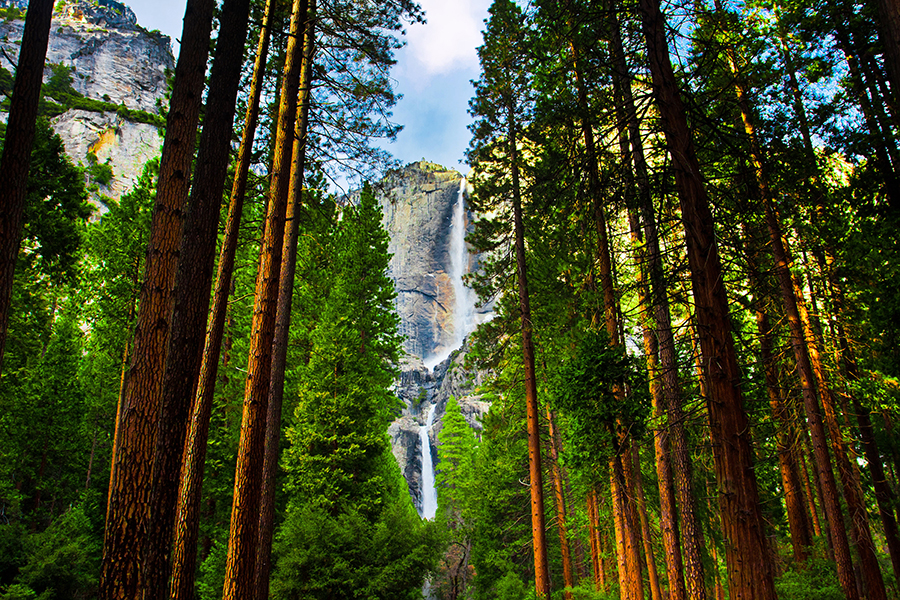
(418, 203)
(111, 60)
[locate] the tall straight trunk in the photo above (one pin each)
(883, 494)
(655, 591)
(799, 343)
(184, 547)
(283, 314)
(16, 159)
(747, 556)
(594, 535)
(800, 537)
(630, 560)
(559, 495)
(244, 531)
(800, 452)
(662, 338)
(192, 287)
(128, 514)
(858, 513)
(538, 530)
(798, 518)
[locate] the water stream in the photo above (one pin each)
(429, 492)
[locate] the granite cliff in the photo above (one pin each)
(418, 203)
(121, 71)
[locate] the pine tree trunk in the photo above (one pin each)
(192, 287)
(859, 520)
(663, 339)
(127, 524)
(244, 531)
(538, 530)
(747, 556)
(558, 492)
(184, 547)
(283, 315)
(16, 159)
(594, 536)
(655, 591)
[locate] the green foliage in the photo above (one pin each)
(64, 560)
(510, 587)
(101, 173)
(456, 453)
(55, 207)
(584, 391)
(817, 581)
(348, 555)
(338, 438)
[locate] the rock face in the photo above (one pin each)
(418, 203)
(112, 60)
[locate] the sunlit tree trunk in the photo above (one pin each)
(192, 287)
(538, 529)
(244, 531)
(127, 523)
(560, 497)
(283, 316)
(184, 547)
(747, 556)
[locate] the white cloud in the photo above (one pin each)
(449, 39)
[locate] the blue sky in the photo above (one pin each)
(433, 73)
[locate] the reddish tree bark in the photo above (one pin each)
(244, 531)
(283, 314)
(127, 523)
(184, 547)
(747, 556)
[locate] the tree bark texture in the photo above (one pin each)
(192, 287)
(16, 159)
(538, 529)
(127, 524)
(559, 495)
(747, 556)
(244, 531)
(283, 315)
(184, 548)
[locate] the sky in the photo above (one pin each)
(433, 73)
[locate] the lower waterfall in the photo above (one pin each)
(429, 492)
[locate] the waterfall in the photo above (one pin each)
(429, 493)
(464, 298)
(464, 305)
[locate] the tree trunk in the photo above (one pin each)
(127, 524)
(538, 530)
(558, 492)
(594, 535)
(747, 556)
(16, 158)
(283, 315)
(192, 287)
(655, 591)
(244, 531)
(859, 520)
(184, 547)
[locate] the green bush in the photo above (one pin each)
(817, 581)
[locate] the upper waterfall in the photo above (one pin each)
(464, 299)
